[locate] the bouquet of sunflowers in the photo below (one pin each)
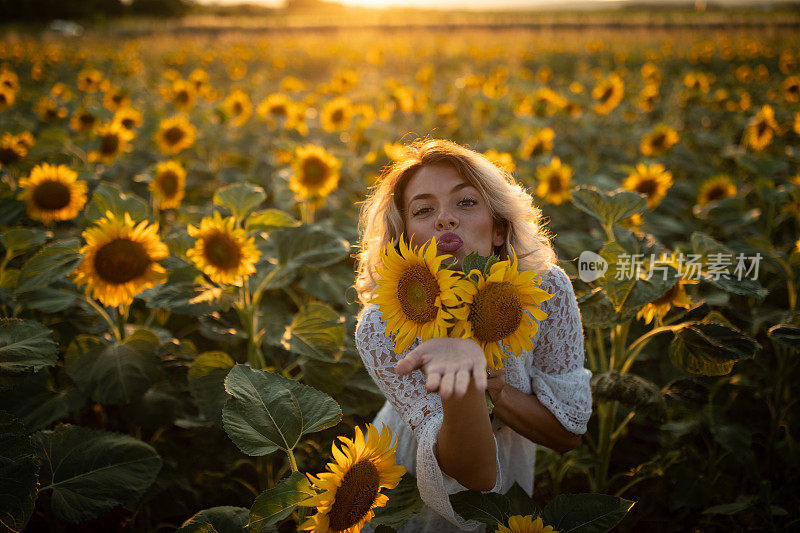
(488, 300)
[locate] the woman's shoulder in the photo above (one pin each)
(555, 278)
(369, 319)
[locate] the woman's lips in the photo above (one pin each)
(449, 243)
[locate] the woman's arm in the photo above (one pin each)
(465, 447)
(526, 415)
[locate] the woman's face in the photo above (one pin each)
(440, 203)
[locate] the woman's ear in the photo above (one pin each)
(499, 232)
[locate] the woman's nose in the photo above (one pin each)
(446, 220)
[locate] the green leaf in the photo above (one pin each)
(52, 262)
(108, 198)
(50, 299)
(224, 519)
(114, 373)
(92, 471)
(19, 474)
(26, 345)
(275, 504)
(19, 240)
(317, 331)
(736, 438)
(787, 334)
(404, 503)
(729, 508)
(207, 382)
(710, 348)
(585, 513)
(270, 219)
(642, 395)
(489, 508)
(267, 412)
(38, 402)
(608, 207)
(616, 283)
(187, 298)
(304, 246)
(521, 503)
(475, 261)
(240, 198)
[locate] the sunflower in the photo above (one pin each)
(554, 182)
(316, 172)
(113, 142)
(791, 89)
(89, 80)
(361, 468)
(83, 120)
(276, 108)
(182, 94)
(336, 114)
(7, 97)
(651, 74)
(608, 93)
(659, 140)
(49, 110)
(697, 81)
(796, 123)
(52, 193)
(651, 180)
(501, 307)
(11, 150)
(237, 106)
(761, 129)
(675, 296)
(169, 184)
(291, 84)
(116, 98)
(199, 79)
(539, 142)
(9, 79)
(501, 160)
(413, 291)
(648, 97)
(524, 524)
(120, 259)
(716, 188)
(128, 117)
(175, 135)
(223, 252)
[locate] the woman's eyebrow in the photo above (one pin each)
(426, 195)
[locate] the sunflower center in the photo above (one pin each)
(555, 183)
(646, 186)
(496, 311)
(417, 290)
(51, 195)
(127, 123)
(762, 128)
(182, 97)
(173, 135)
(121, 261)
(717, 192)
(314, 171)
(9, 155)
(355, 496)
(606, 94)
(238, 108)
(221, 251)
(279, 110)
(659, 141)
(168, 183)
(337, 116)
(87, 119)
(3, 99)
(110, 144)
(117, 98)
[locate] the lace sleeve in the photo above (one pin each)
(420, 409)
(558, 377)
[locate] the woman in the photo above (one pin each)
(435, 389)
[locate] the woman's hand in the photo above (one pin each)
(495, 383)
(448, 363)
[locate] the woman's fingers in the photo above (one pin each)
(461, 383)
(432, 384)
(479, 372)
(446, 386)
(410, 362)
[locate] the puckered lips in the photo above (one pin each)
(449, 243)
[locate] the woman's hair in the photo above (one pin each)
(381, 217)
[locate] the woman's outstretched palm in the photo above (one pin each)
(448, 364)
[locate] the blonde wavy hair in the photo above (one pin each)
(381, 216)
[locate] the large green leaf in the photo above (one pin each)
(207, 382)
(489, 508)
(18, 475)
(710, 348)
(52, 262)
(787, 334)
(240, 198)
(608, 207)
(404, 503)
(317, 331)
(114, 373)
(705, 246)
(270, 219)
(92, 471)
(585, 513)
(19, 240)
(109, 198)
(224, 519)
(26, 345)
(642, 395)
(37, 401)
(521, 503)
(616, 283)
(275, 504)
(187, 298)
(54, 299)
(304, 246)
(267, 412)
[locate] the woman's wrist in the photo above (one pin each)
(496, 393)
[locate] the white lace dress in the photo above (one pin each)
(553, 370)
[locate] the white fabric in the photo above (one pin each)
(553, 370)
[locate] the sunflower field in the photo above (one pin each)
(178, 224)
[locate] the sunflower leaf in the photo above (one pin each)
(489, 508)
(108, 198)
(317, 331)
(38, 401)
(644, 396)
(275, 504)
(301, 247)
(26, 345)
(608, 207)
(207, 382)
(52, 262)
(787, 334)
(223, 519)
(710, 347)
(18, 474)
(240, 198)
(270, 219)
(92, 471)
(585, 513)
(266, 412)
(19, 240)
(404, 503)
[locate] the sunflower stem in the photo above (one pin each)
(636, 347)
(122, 316)
(292, 462)
(100, 311)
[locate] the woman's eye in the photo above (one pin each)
(468, 202)
(421, 211)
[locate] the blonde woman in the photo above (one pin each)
(435, 389)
